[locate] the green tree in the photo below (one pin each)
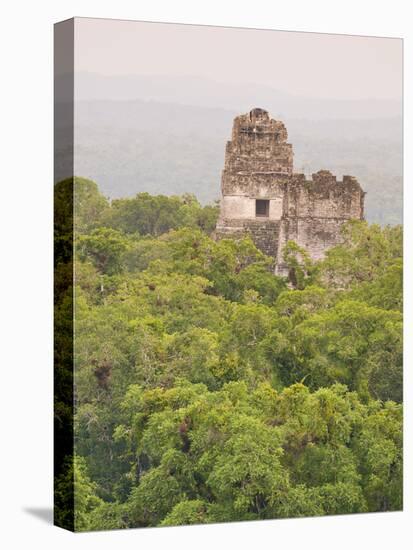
(89, 205)
(299, 264)
(75, 494)
(105, 248)
(187, 512)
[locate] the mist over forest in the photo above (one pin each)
(167, 135)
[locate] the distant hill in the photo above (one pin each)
(166, 134)
(133, 146)
(203, 92)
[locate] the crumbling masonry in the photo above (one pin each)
(263, 197)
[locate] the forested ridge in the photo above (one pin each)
(207, 389)
(181, 147)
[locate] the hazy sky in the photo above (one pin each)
(307, 64)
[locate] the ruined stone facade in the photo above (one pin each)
(263, 197)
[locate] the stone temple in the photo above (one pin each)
(263, 197)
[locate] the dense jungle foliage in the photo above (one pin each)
(207, 389)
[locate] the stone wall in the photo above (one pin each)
(324, 197)
(265, 234)
(315, 235)
(259, 165)
(243, 207)
(259, 144)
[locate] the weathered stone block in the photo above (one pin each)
(259, 167)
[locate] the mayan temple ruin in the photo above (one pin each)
(263, 197)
